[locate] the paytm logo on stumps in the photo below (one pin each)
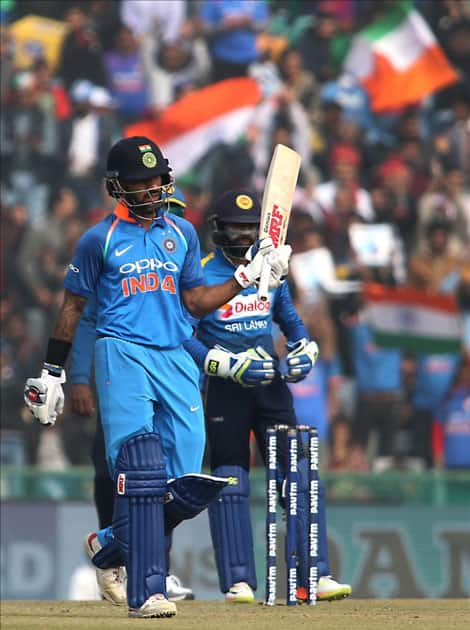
(243, 307)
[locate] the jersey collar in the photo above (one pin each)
(122, 212)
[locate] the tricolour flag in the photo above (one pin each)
(398, 60)
(189, 127)
(413, 320)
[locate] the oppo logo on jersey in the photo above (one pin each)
(242, 307)
(148, 264)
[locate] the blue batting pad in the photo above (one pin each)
(231, 530)
(138, 522)
(188, 495)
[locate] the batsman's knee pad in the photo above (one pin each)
(231, 531)
(188, 495)
(138, 522)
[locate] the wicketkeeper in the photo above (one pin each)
(245, 392)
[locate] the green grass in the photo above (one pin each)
(361, 614)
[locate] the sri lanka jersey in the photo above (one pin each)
(137, 276)
(245, 322)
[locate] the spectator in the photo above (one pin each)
(126, 76)
(344, 163)
(299, 80)
(25, 147)
(87, 136)
(315, 45)
(433, 380)
(280, 118)
(447, 201)
(183, 66)
(437, 268)
(395, 177)
(379, 391)
(231, 27)
(163, 19)
(40, 270)
(80, 55)
(451, 428)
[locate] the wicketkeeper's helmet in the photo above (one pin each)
(235, 207)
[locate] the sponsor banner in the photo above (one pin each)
(382, 551)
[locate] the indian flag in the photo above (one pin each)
(413, 320)
(398, 60)
(189, 127)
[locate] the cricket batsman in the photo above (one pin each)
(145, 270)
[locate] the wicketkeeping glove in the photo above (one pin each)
(250, 368)
(249, 274)
(300, 360)
(44, 396)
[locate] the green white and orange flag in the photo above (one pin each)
(413, 320)
(398, 60)
(188, 128)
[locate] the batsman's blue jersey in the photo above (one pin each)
(246, 322)
(146, 381)
(136, 275)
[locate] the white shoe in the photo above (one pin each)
(329, 589)
(155, 606)
(176, 591)
(240, 593)
(111, 582)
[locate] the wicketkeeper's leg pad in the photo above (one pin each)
(231, 530)
(188, 495)
(138, 522)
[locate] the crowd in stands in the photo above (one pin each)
(406, 172)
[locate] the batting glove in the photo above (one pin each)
(44, 396)
(300, 360)
(251, 368)
(249, 274)
(278, 260)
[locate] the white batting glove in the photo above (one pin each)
(250, 368)
(279, 261)
(44, 396)
(249, 274)
(300, 360)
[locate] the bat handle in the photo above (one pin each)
(263, 287)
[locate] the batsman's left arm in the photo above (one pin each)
(44, 395)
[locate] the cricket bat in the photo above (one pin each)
(277, 203)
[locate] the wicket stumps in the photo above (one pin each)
(273, 477)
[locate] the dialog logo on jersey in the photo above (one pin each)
(243, 307)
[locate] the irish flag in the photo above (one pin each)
(398, 60)
(189, 127)
(413, 320)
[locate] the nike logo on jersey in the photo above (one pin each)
(120, 252)
(194, 408)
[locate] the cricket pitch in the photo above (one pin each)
(351, 614)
